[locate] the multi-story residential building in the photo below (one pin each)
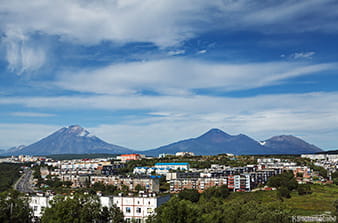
(38, 204)
(150, 184)
(324, 156)
(173, 166)
(185, 154)
(111, 169)
(200, 184)
(151, 170)
(136, 209)
(77, 179)
(126, 157)
(239, 182)
(84, 164)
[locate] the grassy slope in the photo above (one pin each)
(320, 201)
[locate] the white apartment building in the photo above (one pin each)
(151, 170)
(173, 166)
(135, 208)
(328, 157)
(38, 204)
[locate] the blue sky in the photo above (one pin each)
(146, 73)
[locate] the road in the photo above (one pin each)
(24, 183)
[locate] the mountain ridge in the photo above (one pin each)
(69, 140)
(76, 140)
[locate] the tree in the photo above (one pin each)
(176, 211)
(335, 181)
(285, 183)
(138, 188)
(217, 192)
(98, 186)
(304, 189)
(284, 192)
(113, 214)
(190, 195)
(80, 208)
(14, 208)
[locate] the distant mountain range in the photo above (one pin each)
(69, 140)
(216, 141)
(76, 140)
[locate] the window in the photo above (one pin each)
(35, 208)
(128, 209)
(149, 210)
(138, 210)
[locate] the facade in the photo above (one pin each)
(200, 184)
(239, 182)
(38, 204)
(185, 154)
(77, 179)
(328, 157)
(173, 166)
(138, 208)
(111, 169)
(148, 183)
(151, 170)
(126, 157)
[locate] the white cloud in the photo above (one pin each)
(176, 52)
(202, 52)
(163, 22)
(180, 76)
(302, 55)
(312, 116)
(31, 114)
(22, 55)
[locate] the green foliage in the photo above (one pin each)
(285, 183)
(334, 174)
(80, 208)
(190, 195)
(335, 181)
(176, 211)
(336, 208)
(138, 188)
(283, 191)
(217, 211)
(219, 192)
(9, 174)
(14, 208)
(304, 189)
(321, 170)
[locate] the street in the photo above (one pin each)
(24, 184)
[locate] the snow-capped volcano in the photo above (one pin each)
(71, 139)
(78, 131)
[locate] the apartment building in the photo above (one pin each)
(38, 203)
(150, 184)
(173, 166)
(200, 184)
(136, 209)
(126, 157)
